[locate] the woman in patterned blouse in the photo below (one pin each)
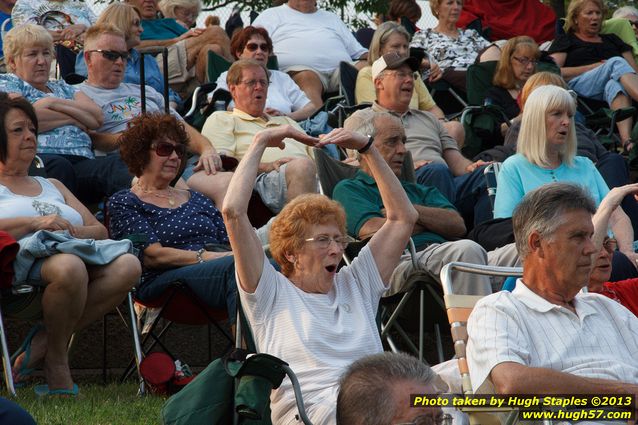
(178, 225)
(451, 48)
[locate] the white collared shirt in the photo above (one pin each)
(600, 340)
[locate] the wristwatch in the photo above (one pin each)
(367, 146)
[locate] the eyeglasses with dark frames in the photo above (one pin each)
(166, 149)
(111, 55)
(251, 47)
(525, 61)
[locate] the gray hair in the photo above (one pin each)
(366, 389)
(542, 210)
(625, 11)
(368, 127)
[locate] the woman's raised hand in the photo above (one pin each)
(274, 137)
(344, 138)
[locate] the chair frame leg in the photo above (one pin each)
(6, 359)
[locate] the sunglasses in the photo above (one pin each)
(166, 149)
(251, 47)
(111, 55)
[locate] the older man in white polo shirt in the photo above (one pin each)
(546, 337)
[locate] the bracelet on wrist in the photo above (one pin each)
(367, 146)
(199, 255)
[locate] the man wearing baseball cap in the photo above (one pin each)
(437, 159)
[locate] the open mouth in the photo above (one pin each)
(332, 268)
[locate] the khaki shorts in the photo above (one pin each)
(272, 188)
(329, 81)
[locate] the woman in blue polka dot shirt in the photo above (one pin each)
(176, 224)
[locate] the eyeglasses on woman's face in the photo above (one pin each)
(251, 47)
(525, 61)
(324, 241)
(167, 149)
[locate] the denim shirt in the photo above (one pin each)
(152, 73)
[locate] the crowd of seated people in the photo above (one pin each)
(168, 181)
(595, 65)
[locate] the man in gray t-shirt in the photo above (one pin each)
(105, 54)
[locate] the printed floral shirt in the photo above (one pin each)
(63, 140)
(448, 52)
(53, 15)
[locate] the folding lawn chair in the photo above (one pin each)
(177, 304)
(459, 308)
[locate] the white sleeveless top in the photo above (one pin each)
(49, 201)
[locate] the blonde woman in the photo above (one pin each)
(518, 62)
(546, 153)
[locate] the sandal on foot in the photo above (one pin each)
(24, 371)
(44, 391)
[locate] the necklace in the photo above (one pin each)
(169, 197)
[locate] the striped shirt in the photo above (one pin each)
(318, 335)
(600, 340)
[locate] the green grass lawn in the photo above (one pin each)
(113, 404)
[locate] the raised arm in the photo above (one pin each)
(249, 255)
(608, 205)
(390, 240)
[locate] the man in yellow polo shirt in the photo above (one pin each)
(285, 173)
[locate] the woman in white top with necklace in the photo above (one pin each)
(75, 294)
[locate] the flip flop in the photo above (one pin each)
(44, 391)
(25, 348)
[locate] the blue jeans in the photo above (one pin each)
(11, 413)
(467, 192)
(212, 281)
(603, 82)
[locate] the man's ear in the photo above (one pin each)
(534, 244)
(232, 88)
(378, 83)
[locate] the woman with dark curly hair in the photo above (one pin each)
(178, 224)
